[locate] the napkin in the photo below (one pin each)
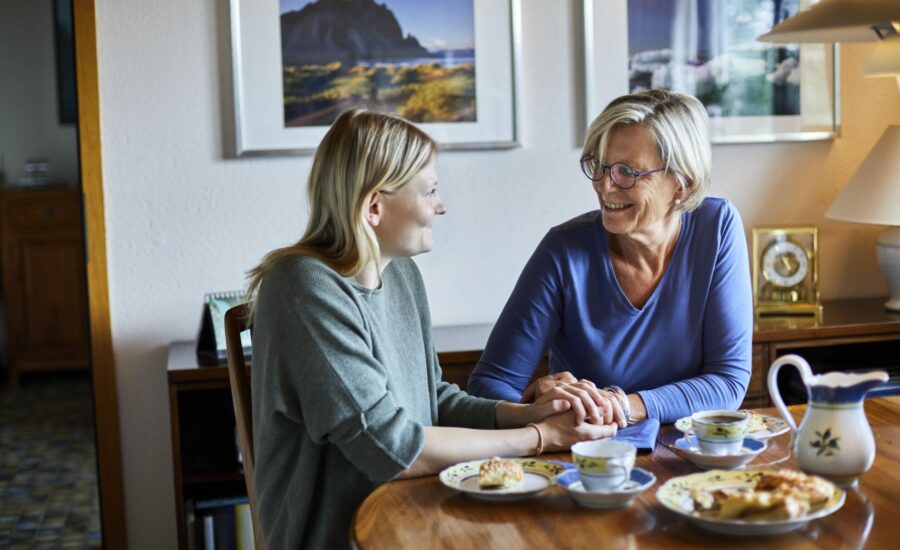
(642, 435)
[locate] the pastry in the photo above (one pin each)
(755, 422)
(782, 494)
(496, 473)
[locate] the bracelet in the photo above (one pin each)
(540, 447)
(626, 406)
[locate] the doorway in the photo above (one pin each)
(58, 394)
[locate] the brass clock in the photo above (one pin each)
(785, 271)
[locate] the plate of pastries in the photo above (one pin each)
(751, 502)
(501, 479)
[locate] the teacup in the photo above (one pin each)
(604, 465)
(719, 432)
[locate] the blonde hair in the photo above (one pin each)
(363, 152)
(681, 127)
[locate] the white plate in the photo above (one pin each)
(689, 449)
(773, 426)
(675, 495)
(539, 475)
(640, 481)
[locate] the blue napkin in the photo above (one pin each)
(642, 435)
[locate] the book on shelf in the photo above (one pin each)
(226, 524)
(209, 533)
(225, 535)
(243, 526)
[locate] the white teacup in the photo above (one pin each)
(719, 432)
(604, 465)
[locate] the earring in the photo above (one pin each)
(677, 202)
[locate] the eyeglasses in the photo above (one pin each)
(622, 175)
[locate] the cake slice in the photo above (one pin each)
(497, 473)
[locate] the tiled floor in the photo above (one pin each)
(48, 475)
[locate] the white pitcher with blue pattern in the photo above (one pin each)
(834, 439)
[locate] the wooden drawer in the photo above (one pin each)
(757, 390)
(57, 212)
(457, 366)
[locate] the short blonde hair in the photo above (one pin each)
(363, 152)
(681, 127)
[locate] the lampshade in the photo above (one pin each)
(837, 21)
(873, 194)
(885, 57)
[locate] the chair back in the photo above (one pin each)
(236, 322)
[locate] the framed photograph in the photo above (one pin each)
(753, 91)
(449, 66)
(64, 43)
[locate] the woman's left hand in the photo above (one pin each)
(587, 402)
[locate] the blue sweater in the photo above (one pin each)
(687, 349)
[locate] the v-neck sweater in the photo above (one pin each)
(687, 348)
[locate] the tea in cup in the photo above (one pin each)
(720, 432)
(604, 465)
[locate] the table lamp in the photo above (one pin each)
(873, 196)
(848, 21)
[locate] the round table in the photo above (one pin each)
(423, 513)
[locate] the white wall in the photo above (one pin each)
(29, 117)
(182, 220)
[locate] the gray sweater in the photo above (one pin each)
(344, 380)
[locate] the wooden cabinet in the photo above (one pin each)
(849, 335)
(44, 287)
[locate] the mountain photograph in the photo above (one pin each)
(403, 57)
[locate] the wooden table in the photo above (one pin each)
(422, 513)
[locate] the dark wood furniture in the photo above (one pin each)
(44, 280)
(423, 513)
(855, 334)
(851, 334)
(236, 322)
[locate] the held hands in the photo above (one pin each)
(559, 432)
(561, 392)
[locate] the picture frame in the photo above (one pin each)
(211, 346)
(262, 89)
(64, 46)
(611, 70)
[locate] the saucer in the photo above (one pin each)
(640, 481)
(689, 448)
(761, 426)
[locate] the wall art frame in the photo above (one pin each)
(260, 116)
(610, 71)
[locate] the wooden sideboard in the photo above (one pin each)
(848, 335)
(44, 284)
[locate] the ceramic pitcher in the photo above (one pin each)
(834, 439)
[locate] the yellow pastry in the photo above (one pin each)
(496, 473)
(783, 494)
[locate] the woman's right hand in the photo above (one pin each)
(560, 431)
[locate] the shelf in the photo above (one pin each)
(202, 479)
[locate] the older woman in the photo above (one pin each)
(648, 296)
(347, 390)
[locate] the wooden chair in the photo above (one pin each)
(239, 377)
